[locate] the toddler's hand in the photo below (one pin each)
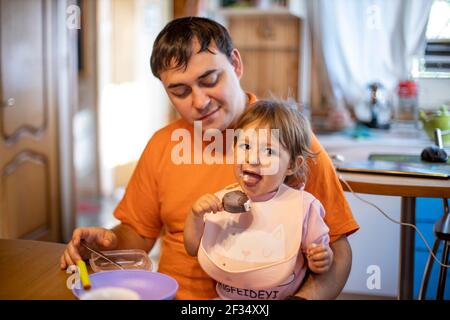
(207, 203)
(319, 257)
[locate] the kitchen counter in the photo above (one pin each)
(405, 141)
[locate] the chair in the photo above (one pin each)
(442, 233)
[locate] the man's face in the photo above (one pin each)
(208, 90)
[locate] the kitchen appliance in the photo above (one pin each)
(375, 110)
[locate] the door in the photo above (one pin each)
(29, 186)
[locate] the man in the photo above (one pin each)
(200, 70)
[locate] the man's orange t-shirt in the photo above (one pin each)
(161, 193)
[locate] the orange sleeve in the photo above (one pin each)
(140, 206)
(324, 184)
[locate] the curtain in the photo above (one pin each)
(355, 42)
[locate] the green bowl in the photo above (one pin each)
(445, 139)
(439, 119)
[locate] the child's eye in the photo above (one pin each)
(244, 146)
(270, 151)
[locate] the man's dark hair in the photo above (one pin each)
(174, 43)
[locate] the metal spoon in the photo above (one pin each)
(83, 243)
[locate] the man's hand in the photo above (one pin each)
(100, 238)
(319, 258)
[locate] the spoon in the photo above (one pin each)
(83, 243)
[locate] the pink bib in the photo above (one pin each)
(257, 250)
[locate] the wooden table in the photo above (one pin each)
(409, 189)
(30, 270)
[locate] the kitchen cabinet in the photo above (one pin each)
(270, 48)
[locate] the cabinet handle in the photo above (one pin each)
(11, 102)
(266, 31)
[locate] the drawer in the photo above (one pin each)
(271, 32)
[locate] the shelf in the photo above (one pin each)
(255, 11)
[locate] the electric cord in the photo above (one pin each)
(394, 221)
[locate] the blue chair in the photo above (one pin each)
(442, 233)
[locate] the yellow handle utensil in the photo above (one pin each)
(84, 276)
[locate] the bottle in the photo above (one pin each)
(407, 101)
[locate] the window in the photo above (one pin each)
(439, 21)
(437, 51)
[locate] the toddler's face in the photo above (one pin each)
(262, 163)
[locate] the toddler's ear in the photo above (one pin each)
(295, 165)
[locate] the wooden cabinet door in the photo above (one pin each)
(29, 187)
(270, 73)
(270, 49)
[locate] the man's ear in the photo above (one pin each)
(236, 62)
(295, 165)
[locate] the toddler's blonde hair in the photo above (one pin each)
(294, 131)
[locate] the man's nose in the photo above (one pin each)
(199, 99)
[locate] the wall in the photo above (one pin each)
(375, 244)
(85, 120)
(133, 104)
(433, 92)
